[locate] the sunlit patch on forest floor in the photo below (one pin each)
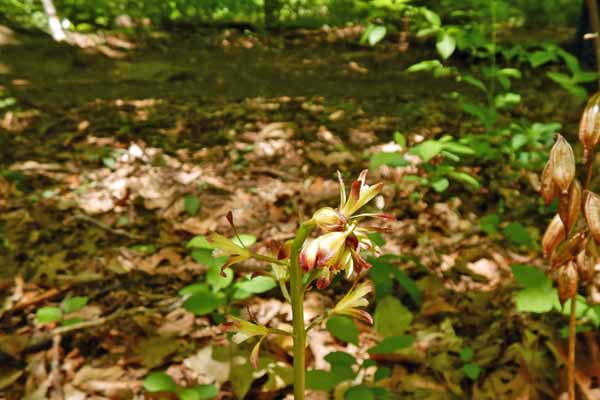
(110, 166)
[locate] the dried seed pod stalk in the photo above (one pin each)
(569, 206)
(567, 281)
(589, 127)
(591, 210)
(554, 235)
(563, 164)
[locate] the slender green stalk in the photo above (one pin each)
(297, 296)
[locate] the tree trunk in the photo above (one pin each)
(55, 27)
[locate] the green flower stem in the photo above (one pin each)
(268, 259)
(297, 296)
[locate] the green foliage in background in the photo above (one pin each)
(87, 15)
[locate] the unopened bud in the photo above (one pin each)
(569, 205)
(554, 235)
(567, 281)
(591, 210)
(563, 164)
(329, 219)
(589, 127)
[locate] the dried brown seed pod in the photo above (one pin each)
(589, 127)
(568, 250)
(567, 281)
(563, 164)
(591, 210)
(585, 266)
(569, 206)
(554, 235)
(548, 188)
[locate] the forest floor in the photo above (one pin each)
(110, 142)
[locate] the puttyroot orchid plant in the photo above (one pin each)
(342, 238)
(571, 242)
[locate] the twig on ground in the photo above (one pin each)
(102, 225)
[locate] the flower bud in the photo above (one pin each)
(589, 127)
(324, 279)
(567, 281)
(591, 210)
(563, 164)
(569, 206)
(329, 219)
(554, 235)
(322, 251)
(548, 189)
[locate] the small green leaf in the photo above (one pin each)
(199, 242)
(392, 344)
(376, 238)
(143, 248)
(74, 304)
(529, 276)
(427, 65)
(218, 281)
(440, 185)
(317, 379)
(431, 17)
(193, 288)
(202, 302)
(474, 82)
(382, 373)
(376, 34)
(445, 45)
(536, 300)
(189, 394)
(427, 150)
(504, 100)
(464, 178)
(391, 159)
(206, 391)
(259, 284)
(359, 393)
(400, 139)
(466, 354)
(109, 162)
(340, 357)
(191, 204)
(159, 382)
(71, 321)
(489, 223)
(46, 315)
(517, 234)
(205, 257)
(343, 328)
(458, 148)
(472, 370)
(385, 324)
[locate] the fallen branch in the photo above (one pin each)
(106, 227)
